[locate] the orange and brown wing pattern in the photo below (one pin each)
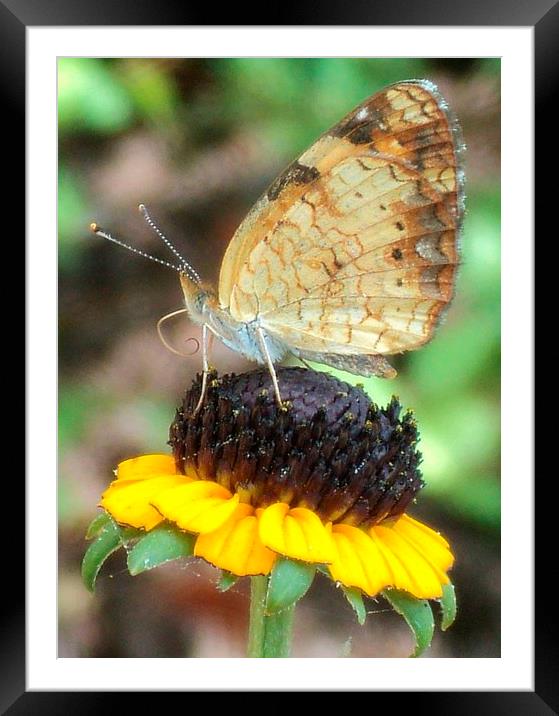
(353, 250)
(412, 121)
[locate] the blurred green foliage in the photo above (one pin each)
(452, 383)
(273, 93)
(91, 97)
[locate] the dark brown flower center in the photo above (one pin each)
(332, 451)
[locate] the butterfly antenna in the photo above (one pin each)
(98, 231)
(194, 275)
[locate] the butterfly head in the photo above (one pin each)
(200, 299)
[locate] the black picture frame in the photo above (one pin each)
(543, 17)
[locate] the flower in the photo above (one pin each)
(325, 481)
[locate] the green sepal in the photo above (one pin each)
(448, 606)
(160, 545)
(130, 534)
(97, 524)
(355, 598)
(418, 615)
(226, 581)
(289, 581)
(108, 540)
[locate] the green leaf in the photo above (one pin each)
(97, 524)
(418, 615)
(162, 544)
(355, 598)
(448, 606)
(289, 582)
(226, 581)
(107, 542)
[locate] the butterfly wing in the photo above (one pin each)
(353, 249)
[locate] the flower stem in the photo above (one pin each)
(256, 627)
(269, 635)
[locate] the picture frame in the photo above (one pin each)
(543, 17)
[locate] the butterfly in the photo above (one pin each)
(351, 254)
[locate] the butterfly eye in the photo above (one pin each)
(200, 300)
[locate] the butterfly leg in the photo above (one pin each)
(205, 367)
(266, 355)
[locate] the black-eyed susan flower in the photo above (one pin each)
(326, 482)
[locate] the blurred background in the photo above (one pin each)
(198, 141)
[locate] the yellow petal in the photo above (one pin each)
(236, 545)
(296, 533)
(411, 571)
(359, 562)
(129, 501)
(200, 506)
(431, 544)
(144, 466)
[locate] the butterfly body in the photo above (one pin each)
(351, 254)
(241, 336)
